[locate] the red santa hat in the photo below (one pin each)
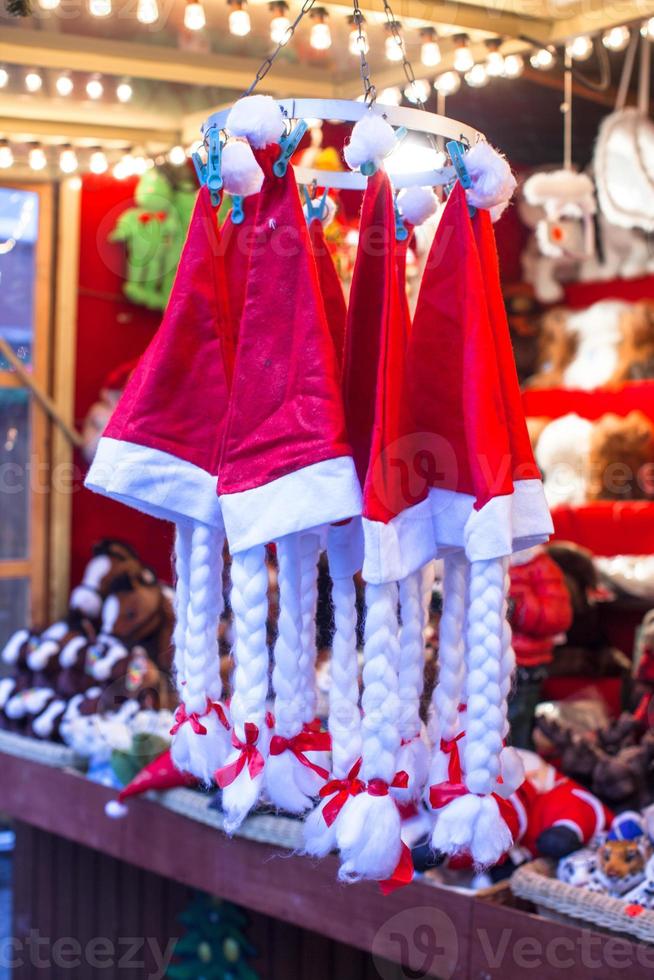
(160, 454)
(331, 287)
(286, 469)
(158, 775)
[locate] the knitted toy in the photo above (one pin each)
(620, 457)
(636, 349)
(235, 425)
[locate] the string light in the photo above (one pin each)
(419, 91)
(514, 65)
(495, 59)
(64, 85)
(280, 22)
(37, 158)
(543, 59)
(4, 77)
(100, 8)
(647, 30)
(616, 39)
(49, 4)
(6, 155)
(125, 167)
(390, 96)
(239, 18)
(33, 81)
(95, 88)
(147, 11)
(448, 83)
(393, 47)
(177, 156)
(430, 52)
(463, 60)
(477, 77)
(580, 48)
(124, 90)
(68, 162)
(320, 37)
(194, 16)
(98, 161)
(357, 45)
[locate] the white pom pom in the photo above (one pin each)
(242, 175)
(417, 204)
(372, 139)
(498, 210)
(115, 810)
(492, 180)
(258, 118)
(368, 837)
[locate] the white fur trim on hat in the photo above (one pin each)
(371, 140)
(562, 186)
(400, 547)
(492, 180)
(258, 118)
(417, 204)
(154, 482)
(242, 175)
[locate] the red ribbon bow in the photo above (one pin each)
(193, 719)
(250, 756)
(307, 741)
(341, 789)
(379, 787)
(147, 216)
(443, 793)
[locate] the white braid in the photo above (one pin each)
(368, 834)
(309, 554)
(344, 715)
(473, 822)
(250, 683)
(182, 563)
(200, 754)
(283, 779)
(512, 768)
(444, 722)
(413, 755)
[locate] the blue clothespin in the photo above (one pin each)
(369, 168)
(210, 173)
(315, 206)
(401, 233)
(456, 151)
(238, 214)
(289, 145)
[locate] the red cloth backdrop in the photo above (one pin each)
(110, 331)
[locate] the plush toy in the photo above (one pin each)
(620, 455)
(562, 455)
(100, 411)
(622, 858)
(148, 231)
(636, 349)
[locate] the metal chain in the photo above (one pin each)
(369, 90)
(268, 62)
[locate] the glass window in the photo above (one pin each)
(14, 472)
(14, 606)
(19, 223)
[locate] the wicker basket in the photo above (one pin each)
(536, 882)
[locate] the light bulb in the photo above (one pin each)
(98, 162)
(49, 4)
(616, 39)
(177, 156)
(393, 49)
(279, 28)
(495, 64)
(418, 91)
(124, 91)
(100, 8)
(390, 96)
(477, 77)
(124, 168)
(463, 60)
(4, 77)
(514, 65)
(6, 155)
(33, 81)
(239, 21)
(94, 88)
(64, 85)
(358, 45)
(543, 59)
(140, 165)
(580, 48)
(37, 158)
(147, 11)
(194, 16)
(68, 160)
(647, 30)
(74, 183)
(320, 37)
(448, 83)
(430, 52)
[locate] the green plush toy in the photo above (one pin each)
(145, 748)
(153, 233)
(215, 945)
